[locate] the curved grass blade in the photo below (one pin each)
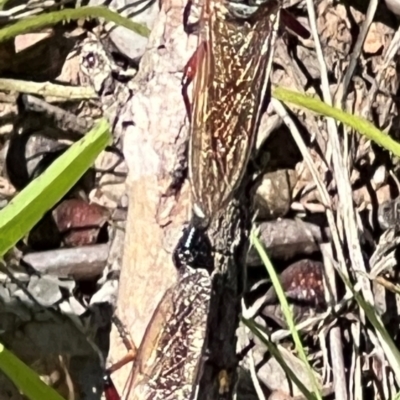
(29, 206)
(25, 379)
(52, 18)
(273, 349)
(359, 124)
(285, 309)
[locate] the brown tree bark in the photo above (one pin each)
(154, 147)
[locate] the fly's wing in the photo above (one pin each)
(200, 145)
(169, 354)
(228, 93)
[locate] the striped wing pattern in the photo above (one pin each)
(229, 89)
(169, 355)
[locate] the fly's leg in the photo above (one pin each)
(189, 73)
(128, 342)
(110, 390)
(191, 66)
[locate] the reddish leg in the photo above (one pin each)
(188, 74)
(110, 390)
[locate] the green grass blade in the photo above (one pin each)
(359, 124)
(26, 380)
(272, 348)
(370, 312)
(370, 132)
(52, 18)
(29, 206)
(285, 309)
(2, 4)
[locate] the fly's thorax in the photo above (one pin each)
(194, 250)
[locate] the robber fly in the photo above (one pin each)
(232, 71)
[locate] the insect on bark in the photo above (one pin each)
(233, 67)
(230, 72)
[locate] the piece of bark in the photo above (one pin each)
(153, 124)
(152, 145)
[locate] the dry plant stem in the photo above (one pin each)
(346, 206)
(280, 109)
(355, 385)
(24, 10)
(62, 119)
(326, 94)
(85, 262)
(332, 133)
(393, 48)
(379, 355)
(68, 379)
(343, 87)
(391, 52)
(336, 344)
(254, 378)
(48, 89)
(307, 325)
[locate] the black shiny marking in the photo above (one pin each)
(194, 249)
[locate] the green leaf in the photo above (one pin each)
(273, 349)
(26, 380)
(286, 310)
(52, 18)
(2, 4)
(376, 322)
(29, 206)
(359, 124)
